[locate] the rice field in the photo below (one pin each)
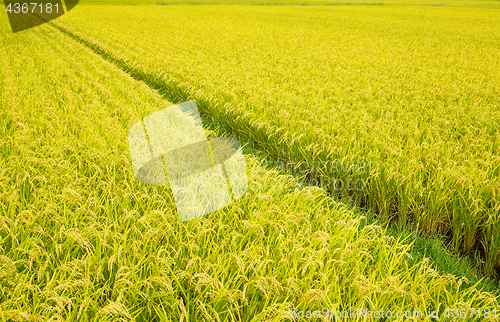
(412, 89)
(82, 240)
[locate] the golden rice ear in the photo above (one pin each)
(26, 14)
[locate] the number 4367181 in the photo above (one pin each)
(25, 7)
